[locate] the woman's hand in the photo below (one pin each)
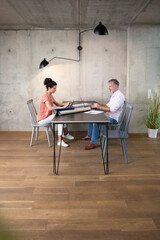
(70, 103)
(66, 105)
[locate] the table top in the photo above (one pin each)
(81, 118)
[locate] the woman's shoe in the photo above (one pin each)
(62, 143)
(68, 136)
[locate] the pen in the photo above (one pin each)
(82, 101)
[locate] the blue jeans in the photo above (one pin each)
(93, 129)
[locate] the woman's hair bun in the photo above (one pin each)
(47, 81)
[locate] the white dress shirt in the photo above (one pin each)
(116, 105)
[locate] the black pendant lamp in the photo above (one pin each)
(44, 63)
(101, 29)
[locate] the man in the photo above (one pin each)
(113, 108)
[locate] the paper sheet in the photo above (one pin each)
(94, 112)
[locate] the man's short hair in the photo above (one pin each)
(115, 81)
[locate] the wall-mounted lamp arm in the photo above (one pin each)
(70, 59)
(79, 46)
(99, 30)
(86, 30)
(44, 63)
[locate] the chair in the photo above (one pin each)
(120, 133)
(118, 125)
(35, 124)
(112, 126)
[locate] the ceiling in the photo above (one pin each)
(76, 14)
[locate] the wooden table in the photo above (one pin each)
(79, 118)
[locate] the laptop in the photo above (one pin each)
(82, 104)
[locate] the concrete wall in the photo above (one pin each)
(143, 53)
(102, 58)
(132, 56)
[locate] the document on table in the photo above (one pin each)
(76, 105)
(94, 112)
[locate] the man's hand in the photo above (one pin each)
(96, 105)
(101, 107)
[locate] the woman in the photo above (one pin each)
(45, 114)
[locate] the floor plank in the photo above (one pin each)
(81, 202)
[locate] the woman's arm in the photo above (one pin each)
(62, 104)
(53, 108)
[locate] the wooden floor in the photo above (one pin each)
(81, 203)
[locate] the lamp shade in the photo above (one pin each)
(100, 29)
(43, 63)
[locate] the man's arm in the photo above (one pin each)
(101, 107)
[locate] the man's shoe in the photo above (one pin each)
(63, 144)
(86, 138)
(90, 146)
(68, 136)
